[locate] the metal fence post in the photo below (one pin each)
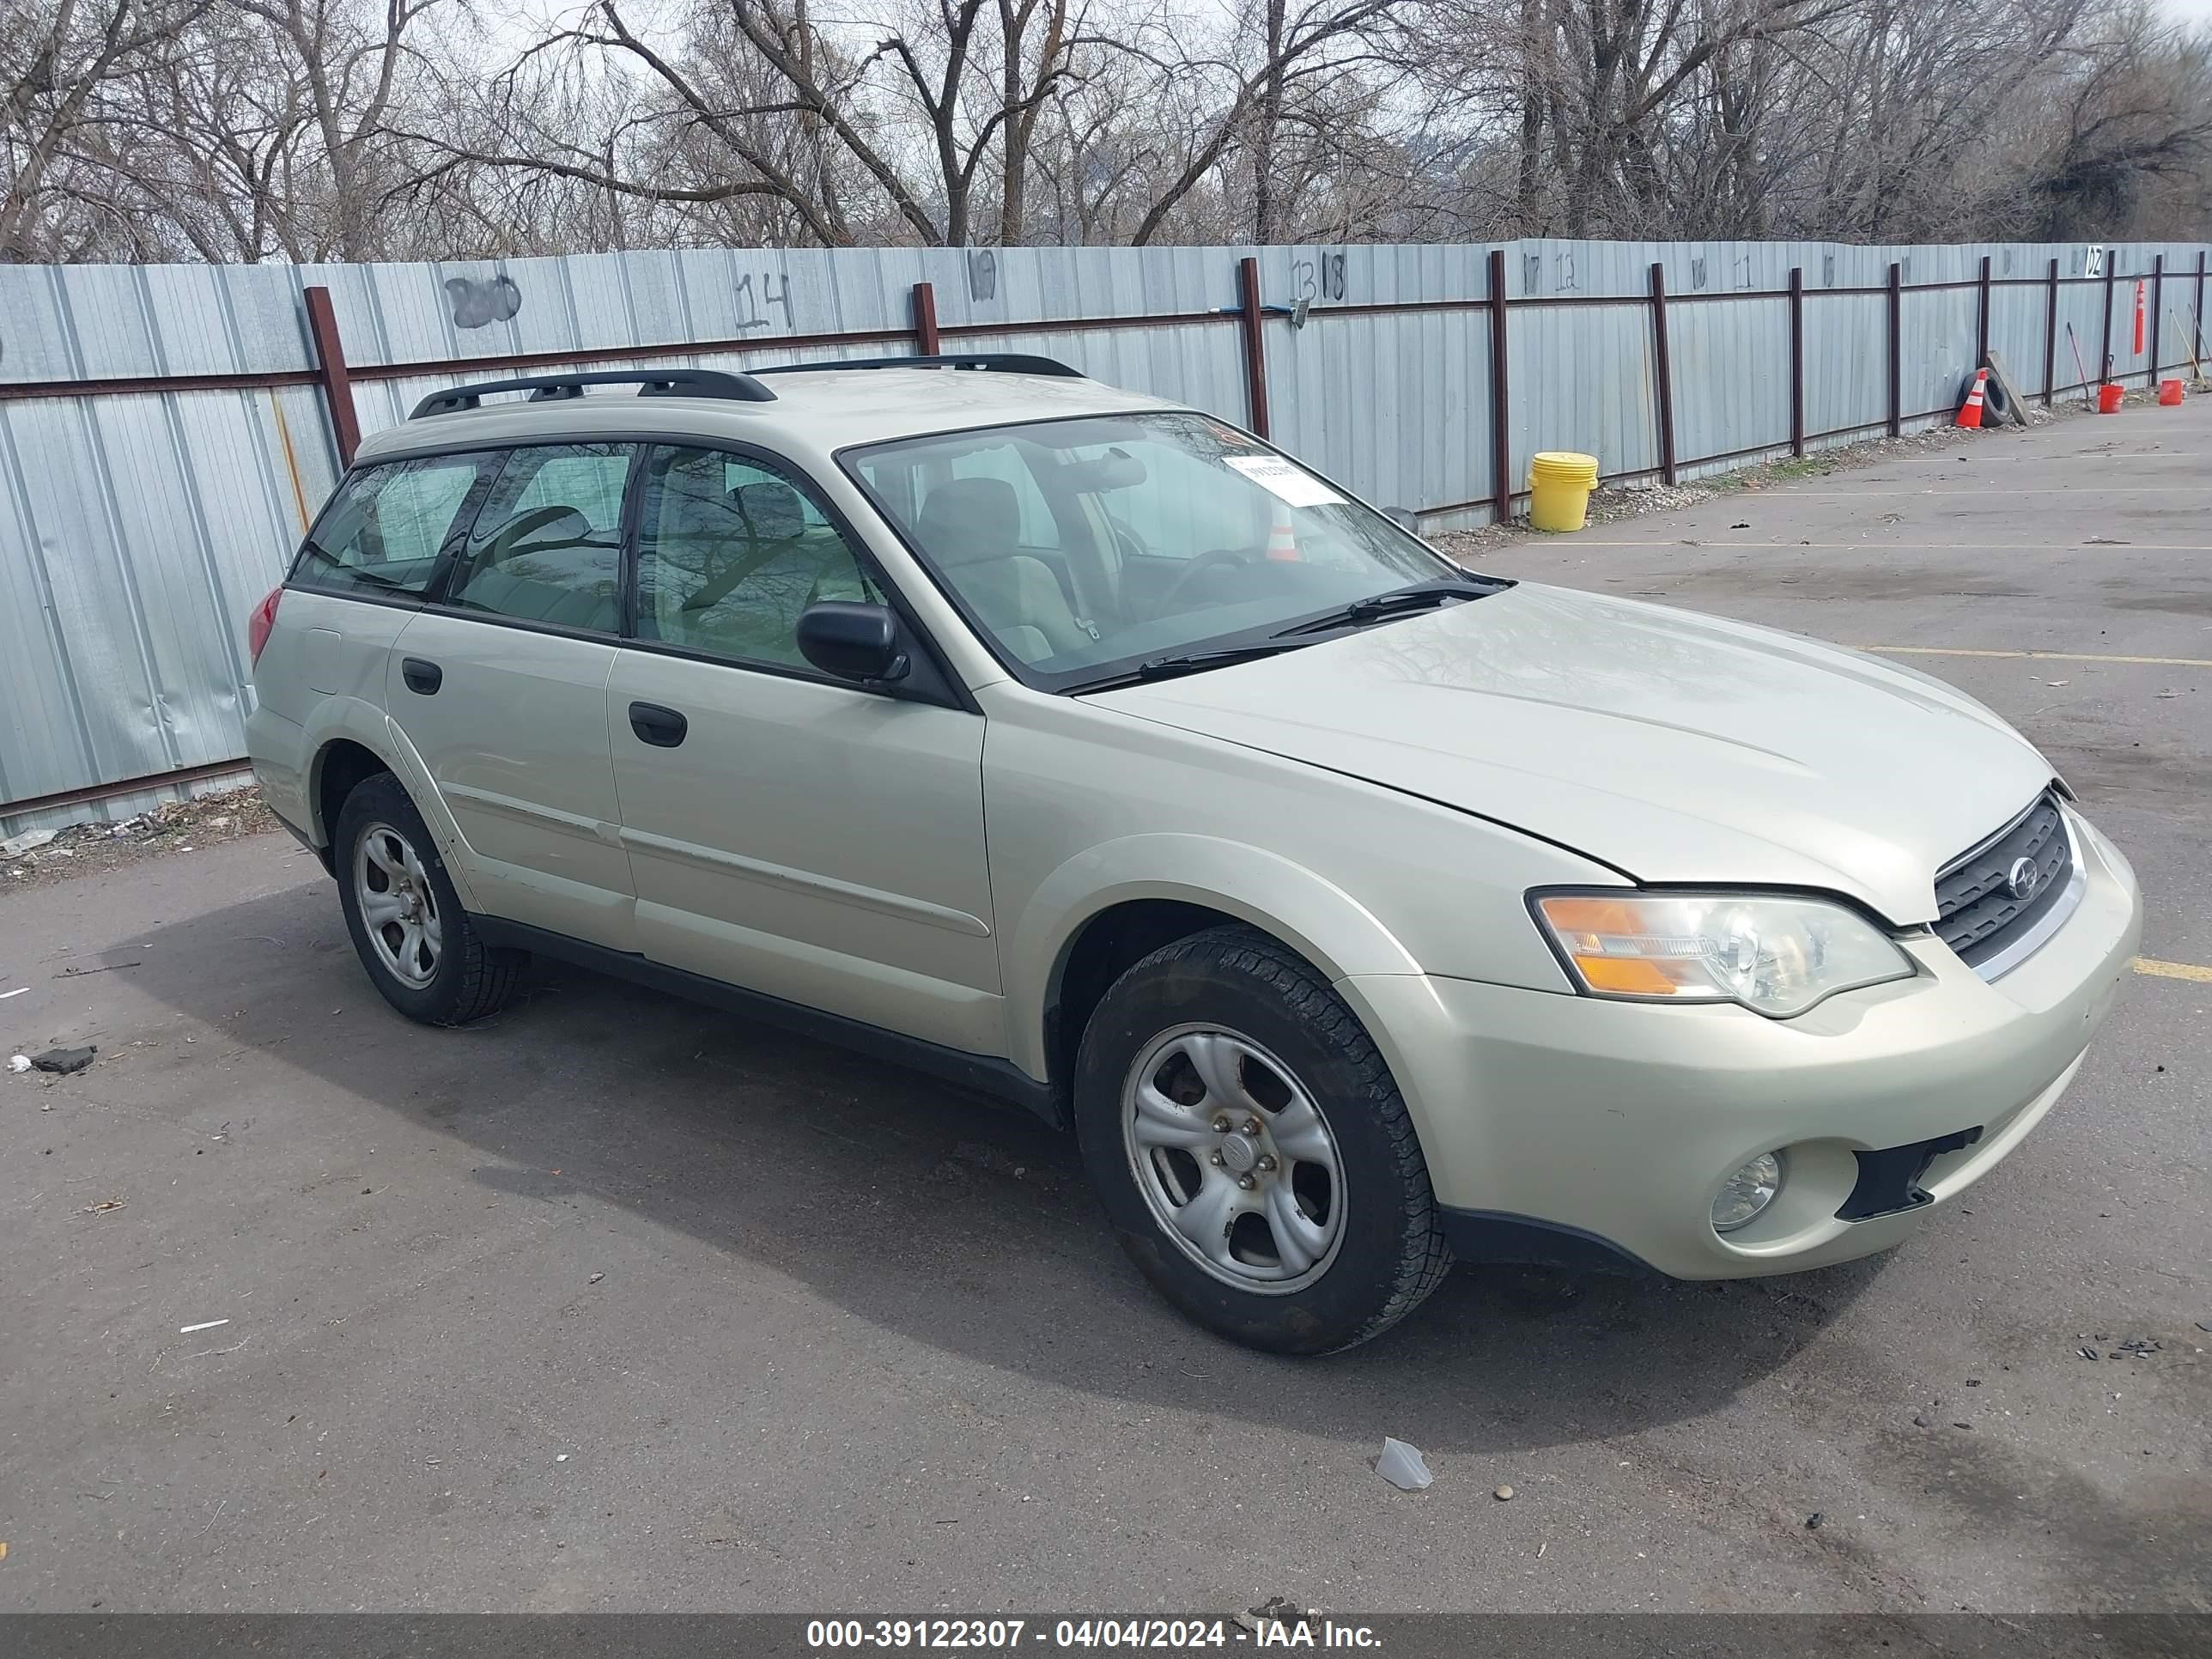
(926, 339)
(2196, 312)
(330, 370)
(1797, 361)
(1663, 380)
(1501, 400)
(1896, 350)
(2157, 310)
(2050, 336)
(1255, 344)
(1982, 318)
(2111, 276)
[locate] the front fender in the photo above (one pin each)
(1314, 916)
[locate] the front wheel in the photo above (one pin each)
(407, 926)
(1252, 1150)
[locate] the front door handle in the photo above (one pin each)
(421, 675)
(664, 728)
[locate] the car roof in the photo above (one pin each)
(817, 411)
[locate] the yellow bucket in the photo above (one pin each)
(1559, 485)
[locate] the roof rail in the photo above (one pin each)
(650, 383)
(1002, 362)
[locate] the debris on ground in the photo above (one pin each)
(2139, 1347)
(1402, 1466)
(19, 1062)
(1815, 1521)
(1503, 1494)
(595, 1279)
(103, 1207)
(176, 826)
(17, 992)
(63, 1062)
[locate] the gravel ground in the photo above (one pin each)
(182, 826)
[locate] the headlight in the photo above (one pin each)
(1774, 955)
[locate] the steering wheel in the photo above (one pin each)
(1221, 558)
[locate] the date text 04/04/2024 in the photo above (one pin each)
(1009, 1636)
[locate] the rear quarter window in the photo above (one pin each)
(384, 529)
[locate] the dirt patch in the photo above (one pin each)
(181, 826)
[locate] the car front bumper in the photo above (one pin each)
(1610, 1126)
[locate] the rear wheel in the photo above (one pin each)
(418, 944)
(1252, 1150)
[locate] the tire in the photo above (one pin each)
(426, 957)
(1997, 408)
(1337, 1237)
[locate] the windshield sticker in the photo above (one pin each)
(1273, 472)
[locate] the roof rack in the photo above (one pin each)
(1000, 363)
(650, 383)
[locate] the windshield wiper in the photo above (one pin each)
(314, 551)
(1414, 596)
(1192, 662)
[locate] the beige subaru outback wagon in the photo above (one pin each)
(1356, 913)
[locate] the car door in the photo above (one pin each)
(789, 833)
(499, 686)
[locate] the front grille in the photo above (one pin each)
(1978, 910)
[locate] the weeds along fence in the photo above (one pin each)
(167, 432)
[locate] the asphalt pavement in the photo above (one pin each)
(616, 1303)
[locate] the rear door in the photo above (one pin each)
(791, 833)
(500, 685)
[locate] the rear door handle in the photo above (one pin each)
(664, 728)
(421, 675)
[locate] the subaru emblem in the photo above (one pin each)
(2023, 878)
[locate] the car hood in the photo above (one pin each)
(1672, 746)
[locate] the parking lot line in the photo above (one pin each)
(2158, 970)
(1906, 546)
(2032, 656)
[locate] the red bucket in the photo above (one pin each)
(2108, 399)
(2169, 392)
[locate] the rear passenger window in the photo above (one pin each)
(384, 529)
(546, 546)
(729, 553)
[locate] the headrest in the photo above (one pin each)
(773, 510)
(969, 519)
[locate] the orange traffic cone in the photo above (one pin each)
(1970, 412)
(1282, 540)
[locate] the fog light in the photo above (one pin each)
(1748, 1192)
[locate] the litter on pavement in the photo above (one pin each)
(1401, 1465)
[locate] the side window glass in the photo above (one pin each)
(730, 552)
(385, 526)
(547, 542)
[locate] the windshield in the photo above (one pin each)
(1085, 548)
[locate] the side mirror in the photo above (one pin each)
(852, 642)
(1403, 518)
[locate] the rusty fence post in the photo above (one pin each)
(2050, 336)
(2157, 309)
(1797, 361)
(1663, 387)
(925, 340)
(1896, 350)
(1982, 318)
(2105, 350)
(331, 369)
(1501, 399)
(1255, 343)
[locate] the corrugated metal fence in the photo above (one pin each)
(167, 431)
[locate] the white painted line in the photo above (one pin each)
(1702, 542)
(2032, 656)
(186, 1330)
